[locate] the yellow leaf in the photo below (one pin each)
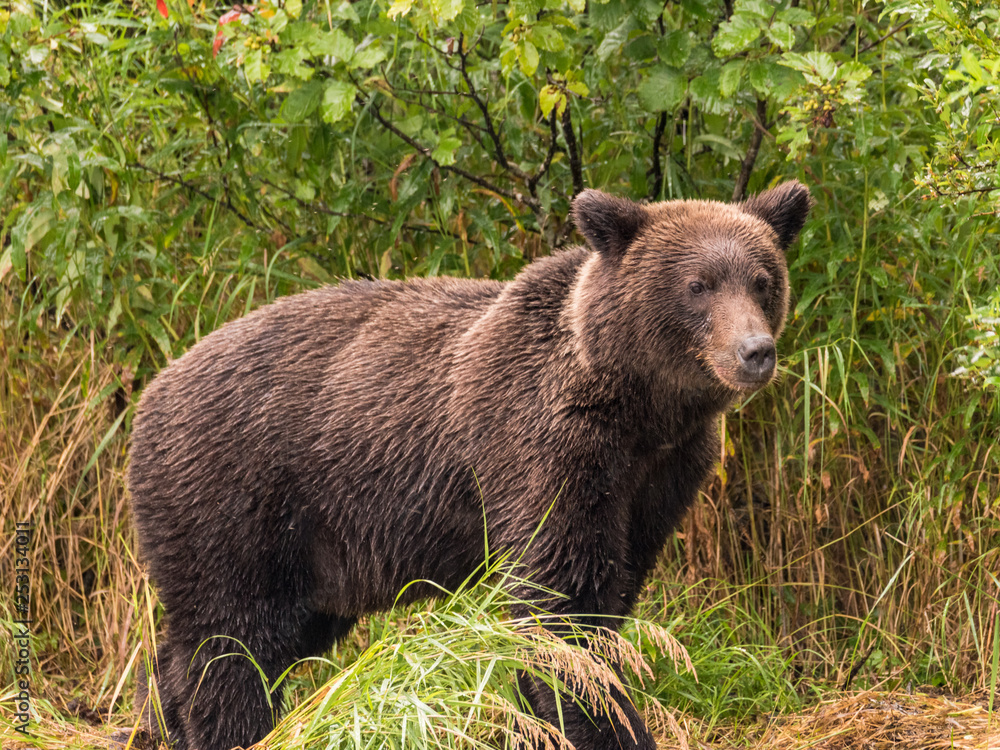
(399, 8)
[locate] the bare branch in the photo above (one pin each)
(321, 207)
(529, 201)
(882, 38)
(498, 151)
(575, 165)
(962, 193)
(440, 52)
(198, 191)
(533, 181)
(661, 127)
(472, 128)
(746, 168)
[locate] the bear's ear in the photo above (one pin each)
(785, 208)
(608, 223)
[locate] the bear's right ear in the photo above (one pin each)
(785, 208)
(608, 223)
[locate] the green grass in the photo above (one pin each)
(444, 675)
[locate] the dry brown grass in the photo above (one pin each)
(877, 721)
(864, 720)
(63, 414)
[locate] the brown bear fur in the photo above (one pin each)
(297, 468)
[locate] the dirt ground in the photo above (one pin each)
(850, 721)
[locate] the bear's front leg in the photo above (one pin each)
(585, 564)
(588, 726)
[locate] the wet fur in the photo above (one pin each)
(297, 468)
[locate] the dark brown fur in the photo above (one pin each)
(297, 468)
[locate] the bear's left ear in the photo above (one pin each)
(608, 223)
(785, 208)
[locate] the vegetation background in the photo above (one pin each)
(168, 166)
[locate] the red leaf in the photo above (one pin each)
(162, 7)
(227, 17)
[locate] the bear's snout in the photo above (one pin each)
(756, 355)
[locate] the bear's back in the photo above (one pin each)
(239, 426)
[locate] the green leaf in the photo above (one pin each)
(864, 132)
(254, 68)
(368, 57)
(445, 10)
(547, 37)
(95, 37)
(705, 90)
(551, 97)
(729, 78)
(337, 99)
(614, 39)
(760, 8)
(699, 8)
(795, 135)
(312, 268)
(295, 146)
(760, 74)
(509, 55)
(293, 8)
(606, 16)
(854, 72)
(73, 172)
(971, 64)
(525, 10)
(38, 54)
(879, 276)
(278, 22)
(447, 147)
(527, 57)
(720, 145)
(578, 87)
(641, 47)
(797, 17)
(345, 12)
(663, 90)
(781, 34)
(735, 35)
(334, 43)
(159, 334)
(302, 102)
(290, 62)
(818, 67)
(675, 48)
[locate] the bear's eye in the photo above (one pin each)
(762, 283)
(696, 288)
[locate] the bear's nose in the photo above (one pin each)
(756, 355)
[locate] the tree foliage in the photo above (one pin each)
(445, 136)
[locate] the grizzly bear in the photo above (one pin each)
(296, 469)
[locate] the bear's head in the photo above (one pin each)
(693, 291)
